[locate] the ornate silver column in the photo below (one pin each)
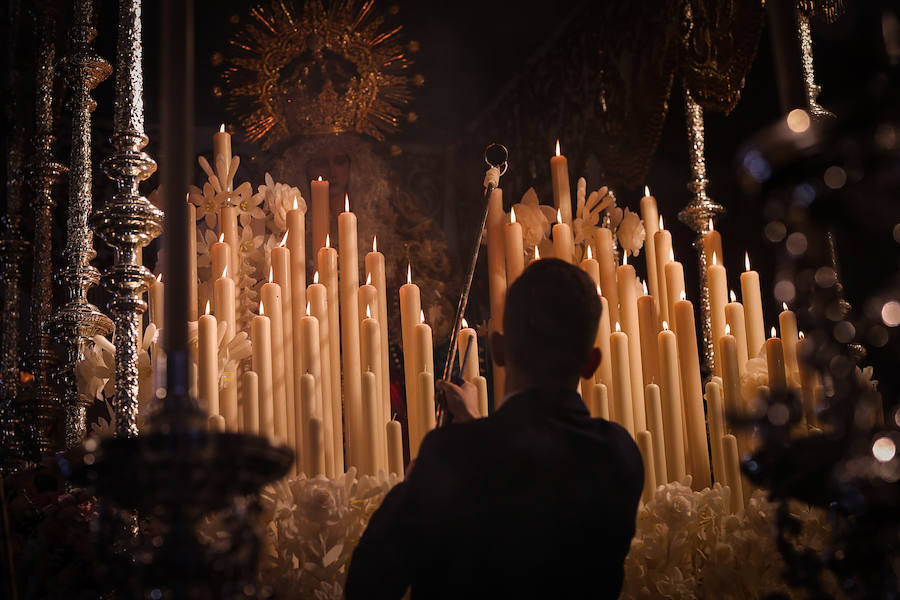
(79, 320)
(699, 212)
(41, 409)
(129, 221)
(809, 73)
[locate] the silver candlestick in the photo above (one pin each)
(78, 321)
(809, 74)
(41, 408)
(699, 213)
(129, 221)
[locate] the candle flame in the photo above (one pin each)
(159, 278)
(316, 277)
(222, 128)
(746, 261)
(784, 306)
(512, 214)
(537, 253)
(624, 258)
(671, 254)
(221, 237)
(682, 295)
(421, 316)
(644, 284)
(368, 312)
(646, 190)
(271, 275)
(262, 309)
(661, 225)
(328, 240)
(296, 205)
(284, 239)
(558, 215)
(666, 325)
(590, 255)
(346, 203)
(772, 331)
(727, 329)
(618, 327)
(733, 296)
(368, 278)
(206, 312)
(599, 292)
(557, 146)
(308, 312)
(374, 243)
(465, 324)
(408, 273)
(801, 335)
(225, 271)
(714, 259)
(711, 226)
(319, 178)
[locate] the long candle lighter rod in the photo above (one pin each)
(496, 156)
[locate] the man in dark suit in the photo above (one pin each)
(536, 501)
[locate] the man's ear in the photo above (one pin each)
(498, 351)
(591, 366)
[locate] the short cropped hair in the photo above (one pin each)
(550, 319)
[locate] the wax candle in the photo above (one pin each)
(590, 265)
(621, 374)
(224, 295)
(753, 314)
(712, 244)
(662, 247)
(775, 362)
(627, 288)
(469, 370)
(220, 255)
(208, 343)
(281, 273)
(563, 245)
(645, 445)
(692, 392)
(515, 253)
(481, 388)
(228, 227)
(674, 274)
(271, 297)
(718, 297)
(715, 407)
(670, 391)
(327, 259)
(601, 402)
(424, 346)
(425, 382)
(375, 269)
(733, 473)
(250, 401)
(317, 337)
(604, 371)
(604, 242)
(562, 196)
(309, 407)
(410, 307)
(496, 220)
(296, 245)
(734, 321)
(649, 328)
(650, 217)
(395, 447)
(787, 322)
(371, 432)
(657, 432)
(317, 460)
(370, 340)
(808, 379)
(261, 338)
(216, 423)
(193, 302)
(222, 156)
(157, 301)
(350, 351)
(731, 376)
(321, 227)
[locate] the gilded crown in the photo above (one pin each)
(323, 70)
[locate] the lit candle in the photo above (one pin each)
(320, 218)
(590, 266)
(469, 370)
(281, 270)
(208, 342)
(649, 328)
(496, 220)
(603, 237)
(296, 245)
(515, 254)
(228, 228)
(657, 432)
(712, 244)
(222, 156)
(674, 274)
(753, 313)
(718, 297)
(733, 473)
(692, 392)
(734, 321)
(563, 245)
(223, 294)
(618, 345)
(410, 307)
(808, 379)
(627, 288)
(775, 363)
(370, 337)
(220, 255)
(317, 338)
(670, 390)
(424, 345)
(731, 377)
(604, 372)
(157, 301)
(309, 407)
(250, 401)
(645, 445)
(559, 174)
(371, 413)
(193, 302)
(375, 268)
(395, 447)
(271, 297)
(328, 275)
(650, 217)
(261, 338)
(662, 247)
(715, 407)
(350, 354)
(787, 322)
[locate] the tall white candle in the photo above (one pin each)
(467, 336)
(657, 432)
(157, 302)
(317, 339)
(734, 321)
(350, 351)
(645, 445)
(733, 473)
(371, 431)
(650, 217)
(715, 407)
(308, 408)
(481, 388)
(425, 396)
(281, 273)
(193, 302)
(410, 307)
(375, 269)
(271, 298)
(222, 156)
(496, 221)
(228, 227)
(604, 372)
(515, 253)
(787, 322)
(370, 334)
(649, 328)
(627, 288)
(261, 338)
(618, 344)
(208, 343)
(662, 246)
(562, 195)
(604, 243)
(692, 392)
(601, 402)
(250, 401)
(674, 274)
(320, 214)
(328, 276)
(395, 447)
(718, 298)
(563, 244)
(316, 435)
(670, 391)
(753, 314)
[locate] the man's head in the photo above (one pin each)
(550, 326)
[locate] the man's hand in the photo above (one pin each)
(462, 400)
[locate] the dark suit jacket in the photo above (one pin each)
(536, 501)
